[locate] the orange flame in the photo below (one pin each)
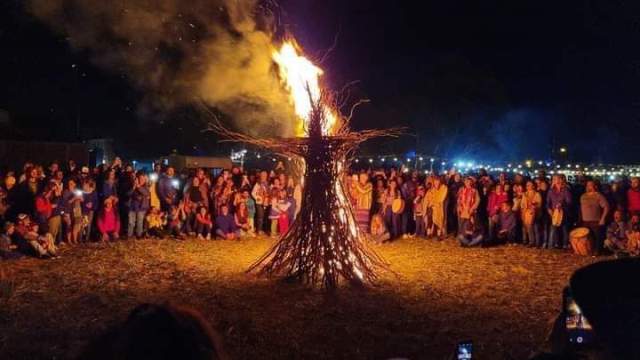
(301, 77)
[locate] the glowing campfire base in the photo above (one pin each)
(323, 245)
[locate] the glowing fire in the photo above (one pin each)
(302, 78)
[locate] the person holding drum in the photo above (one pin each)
(393, 208)
(558, 204)
(594, 208)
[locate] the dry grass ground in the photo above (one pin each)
(503, 298)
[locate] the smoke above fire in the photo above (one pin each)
(180, 52)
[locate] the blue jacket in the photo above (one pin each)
(109, 189)
(90, 198)
(139, 199)
(226, 223)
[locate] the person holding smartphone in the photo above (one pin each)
(140, 198)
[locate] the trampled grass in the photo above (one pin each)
(503, 298)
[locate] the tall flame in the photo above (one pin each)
(302, 78)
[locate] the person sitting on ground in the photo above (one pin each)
(379, 232)
(633, 235)
(43, 245)
(8, 250)
(188, 217)
(507, 223)
(203, 224)
(471, 233)
(225, 224)
(242, 219)
(176, 217)
(156, 221)
(617, 233)
(109, 221)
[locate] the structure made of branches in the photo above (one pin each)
(323, 246)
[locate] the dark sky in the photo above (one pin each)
(480, 79)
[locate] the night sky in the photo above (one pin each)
(478, 79)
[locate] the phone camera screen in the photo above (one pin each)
(578, 326)
(465, 351)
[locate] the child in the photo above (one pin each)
(109, 221)
(242, 219)
(203, 224)
(283, 218)
(7, 248)
(274, 215)
(418, 212)
(89, 204)
(156, 220)
(251, 210)
(175, 221)
(188, 217)
(379, 232)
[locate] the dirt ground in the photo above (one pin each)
(503, 298)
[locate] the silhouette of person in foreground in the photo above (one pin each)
(159, 332)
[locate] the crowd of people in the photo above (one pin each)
(42, 208)
(481, 210)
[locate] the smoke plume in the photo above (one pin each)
(178, 52)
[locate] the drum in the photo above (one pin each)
(397, 206)
(581, 242)
(556, 217)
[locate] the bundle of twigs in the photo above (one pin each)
(323, 246)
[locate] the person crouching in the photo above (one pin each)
(226, 225)
(507, 223)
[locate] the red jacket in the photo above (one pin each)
(43, 206)
(108, 222)
(495, 201)
(633, 200)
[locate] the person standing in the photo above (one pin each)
(593, 212)
(363, 200)
(260, 194)
(435, 202)
(530, 206)
(89, 206)
(496, 198)
(468, 202)
(633, 196)
(393, 218)
(168, 189)
(140, 202)
(558, 203)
